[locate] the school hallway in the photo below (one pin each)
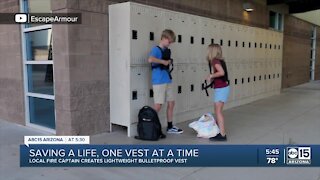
(289, 118)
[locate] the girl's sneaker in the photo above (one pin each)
(218, 137)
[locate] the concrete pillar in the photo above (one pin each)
(11, 74)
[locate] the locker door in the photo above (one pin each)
(181, 45)
(195, 39)
(230, 67)
(139, 88)
(193, 81)
(203, 99)
(179, 89)
(255, 79)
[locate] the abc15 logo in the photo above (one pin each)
(301, 153)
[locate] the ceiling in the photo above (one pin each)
(310, 16)
(297, 6)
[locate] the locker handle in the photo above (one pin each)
(134, 95)
(151, 93)
(151, 36)
(179, 38)
(134, 34)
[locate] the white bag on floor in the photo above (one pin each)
(206, 126)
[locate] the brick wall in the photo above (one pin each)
(296, 52)
(11, 76)
(81, 69)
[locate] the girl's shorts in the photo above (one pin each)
(221, 94)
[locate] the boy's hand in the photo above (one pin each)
(166, 62)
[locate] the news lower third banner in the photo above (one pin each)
(88, 155)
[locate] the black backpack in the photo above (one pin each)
(205, 85)
(224, 67)
(149, 126)
(166, 55)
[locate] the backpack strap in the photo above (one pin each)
(160, 48)
(226, 76)
(205, 85)
(157, 65)
(211, 71)
(210, 67)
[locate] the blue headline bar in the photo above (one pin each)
(170, 155)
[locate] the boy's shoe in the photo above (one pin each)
(218, 137)
(174, 130)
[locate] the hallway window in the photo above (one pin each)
(42, 112)
(39, 45)
(38, 68)
(40, 78)
(276, 20)
(36, 6)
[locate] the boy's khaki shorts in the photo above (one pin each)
(163, 93)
